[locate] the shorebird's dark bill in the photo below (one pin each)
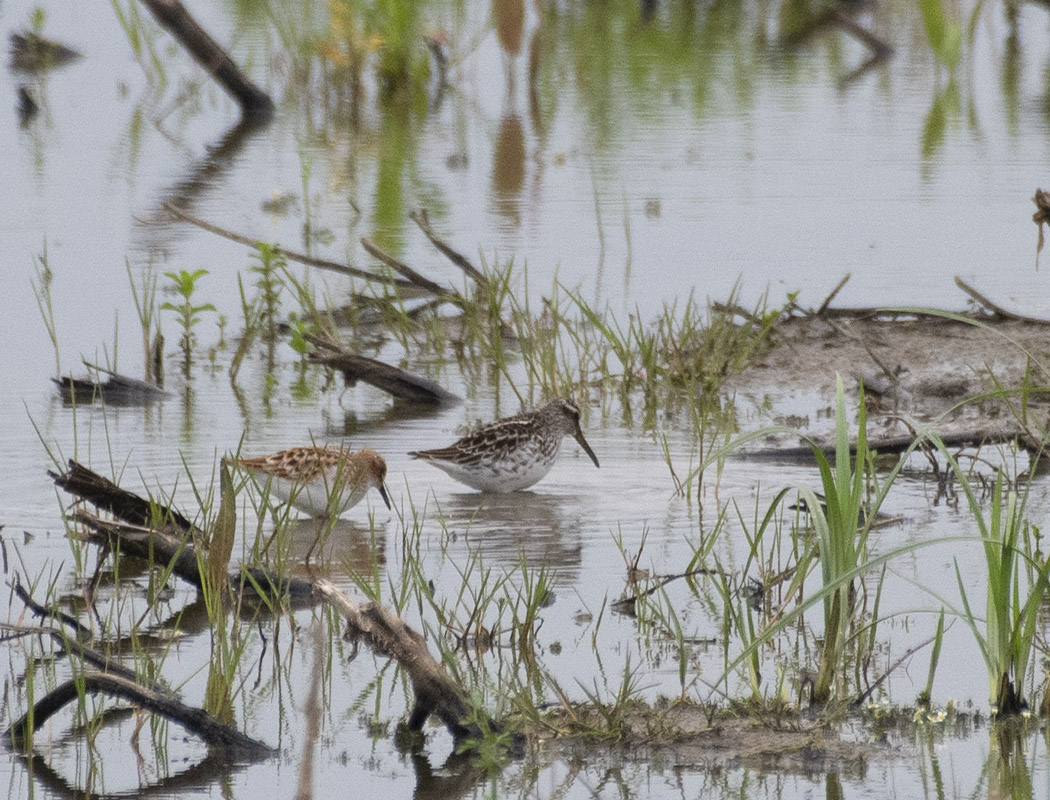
(386, 498)
(578, 436)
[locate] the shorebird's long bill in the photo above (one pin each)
(578, 436)
(385, 496)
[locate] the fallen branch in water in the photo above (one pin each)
(101, 492)
(387, 634)
(977, 437)
(116, 390)
(402, 385)
(422, 219)
(382, 631)
(410, 274)
(998, 313)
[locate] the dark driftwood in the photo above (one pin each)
(196, 720)
(291, 255)
(116, 390)
(33, 53)
(254, 102)
(103, 493)
(83, 633)
(402, 385)
(422, 219)
(383, 632)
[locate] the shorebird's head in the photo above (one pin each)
(566, 416)
(372, 470)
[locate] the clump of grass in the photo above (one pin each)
(145, 297)
(1017, 580)
(843, 550)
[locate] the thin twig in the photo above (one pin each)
(422, 219)
(406, 271)
(291, 255)
(830, 297)
(997, 310)
(878, 682)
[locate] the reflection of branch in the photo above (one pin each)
(834, 18)
(214, 768)
(207, 171)
(206, 51)
(161, 702)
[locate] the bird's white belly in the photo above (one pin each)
(312, 497)
(518, 471)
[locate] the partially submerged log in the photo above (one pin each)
(88, 485)
(116, 390)
(397, 382)
(387, 634)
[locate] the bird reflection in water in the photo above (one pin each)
(540, 528)
(340, 543)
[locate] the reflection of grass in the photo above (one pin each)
(42, 293)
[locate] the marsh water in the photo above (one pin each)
(636, 154)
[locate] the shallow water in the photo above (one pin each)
(685, 155)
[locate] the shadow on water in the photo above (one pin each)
(509, 528)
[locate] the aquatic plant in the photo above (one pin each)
(1018, 583)
(269, 266)
(141, 37)
(842, 548)
(185, 284)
